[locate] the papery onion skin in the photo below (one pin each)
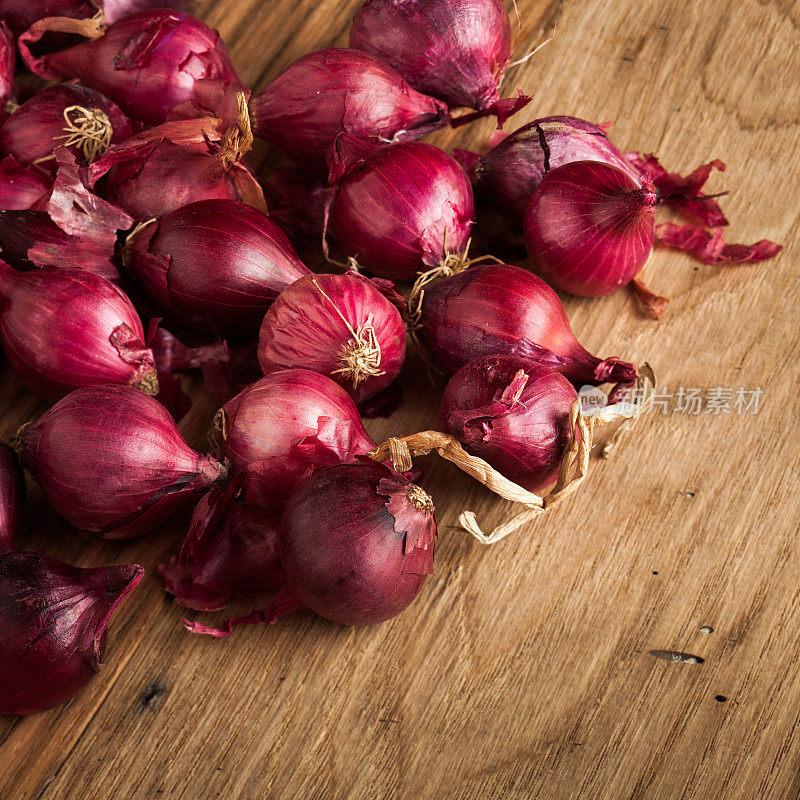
(357, 542)
(215, 264)
(403, 208)
(312, 325)
(231, 549)
(498, 309)
(20, 15)
(512, 413)
(112, 461)
(589, 228)
(334, 91)
(12, 496)
(20, 188)
(147, 63)
(456, 50)
(285, 426)
(66, 328)
(38, 126)
(53, 621)
(510, 173)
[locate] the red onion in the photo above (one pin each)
(512, 413)
(496, 309)
(590, 228)
(285, 426)
(215, 264)
(66, 328)
(399, 209)
(164, 168)
(20, 187)
(80, 119)
(336, 91)
(511, 172)
(231, 549)
(112, 461)
(12, 497)
(356, 542)
(53, 621)
(456, 50)
(337, 325)
(148, 63)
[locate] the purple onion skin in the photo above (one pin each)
(511, 172)
(455, 50)
(336, 91)
(21, 188)
(519, 425)
(38, 126)
(112, 461)
(8, 60)
(66, 328)
(357, 542)
(304, 329)
(53, 621)
(147, 63)
(19, 15)
(215, 264)
(285, 426)
(589, 228)
(12, 496)
(403, 210)
(497, 309)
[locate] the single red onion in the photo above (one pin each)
(400, 209)
(285, 426)
(172, 165)
(66, 328)
(214, 264)
(341, 326)
(12, 497)
(67, 115)
(53, 621)
(589, 228)
(512, 413)
(357, 542)
(497, 309)
(456, 50)
(148, 63)
(112, 461)
(336, 91)
(231, 550)
(21, 188)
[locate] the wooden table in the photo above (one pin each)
(523, 670)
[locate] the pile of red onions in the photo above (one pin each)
(335, 91)
(285, 426)
(215, 264)
(456, 50)
(53, 622)
(12, 497)
(356, 544)
(400, 209)
(512, 413)
(67, 115)
(112, 461)
(148, 63)
(65, 328)
(341, 326)
(498, 309)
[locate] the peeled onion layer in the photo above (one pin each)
(53, 622)
(356, 541)
(400, 208)
(335, 91)
(12, 497)
(148, 63)
(112, 461)
(456, 50)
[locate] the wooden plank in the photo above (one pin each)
(523, 670)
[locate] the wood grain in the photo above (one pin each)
(523, 670)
